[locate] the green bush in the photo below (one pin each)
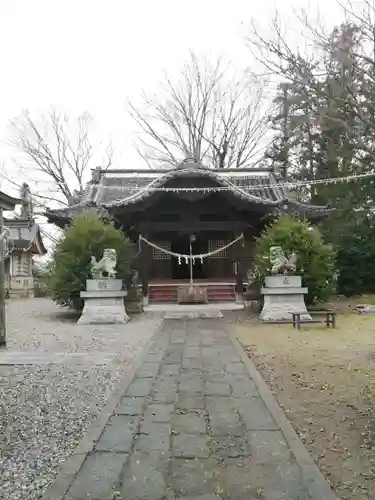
(70, 267)
(356, 256)
(315, 260)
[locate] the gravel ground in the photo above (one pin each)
(46, 408)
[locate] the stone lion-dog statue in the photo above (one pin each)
(106, 264)
(280, 264)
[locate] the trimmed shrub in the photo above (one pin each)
(70, 267)
(315, 260)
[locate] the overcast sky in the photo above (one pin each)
(90, 55)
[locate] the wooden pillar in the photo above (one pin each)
(2, 283)
(6, 203)
(238, 252)
(146, 256)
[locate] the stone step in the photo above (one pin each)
(168, 293)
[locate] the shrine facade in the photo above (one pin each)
(212, 215)
(24, 242)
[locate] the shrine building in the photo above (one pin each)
(210, 215)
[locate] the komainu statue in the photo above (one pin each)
(280, 264)
(107, 265)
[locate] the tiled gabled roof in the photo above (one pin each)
(7, 202)
(124, 188)
(117, 189)
(24, 234)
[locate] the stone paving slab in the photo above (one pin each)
(196, 422)
(193, 314)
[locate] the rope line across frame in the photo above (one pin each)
(187, 256)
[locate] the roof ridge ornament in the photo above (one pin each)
(95, 175)
(279, 171)
(190, 162)
(27, 209)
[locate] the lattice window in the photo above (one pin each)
(214, 245)
(158, 254)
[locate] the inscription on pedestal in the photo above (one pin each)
(103, 284)
(283, 281)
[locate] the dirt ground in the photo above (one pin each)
(325, 381)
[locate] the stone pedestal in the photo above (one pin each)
(282, 296)
(104, 302)
(21, 287)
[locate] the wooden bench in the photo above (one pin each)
(330, 318)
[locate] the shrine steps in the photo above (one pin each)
(162, 294)
(167, 293)
(221, 293)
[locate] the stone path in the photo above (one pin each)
(194, 423)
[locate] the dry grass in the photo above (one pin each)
(325, 381)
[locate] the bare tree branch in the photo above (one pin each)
(58, 149)
(40, 199)
(206, 114)
(318, 71)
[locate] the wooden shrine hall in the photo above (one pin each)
(192, 222)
